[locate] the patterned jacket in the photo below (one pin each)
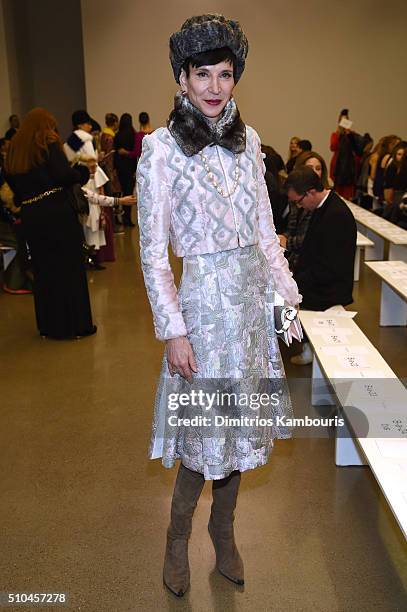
(177, 200)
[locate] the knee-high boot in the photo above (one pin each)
(188, 488)
(228, 559)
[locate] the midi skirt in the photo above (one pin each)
(238, 401)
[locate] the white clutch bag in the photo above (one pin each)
(286, 321)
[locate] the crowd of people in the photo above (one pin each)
(104, 162)
(60, 205)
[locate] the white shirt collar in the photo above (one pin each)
(323, 200)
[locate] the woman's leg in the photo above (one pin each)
(188, 488)
(228, 559)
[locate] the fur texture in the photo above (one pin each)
(205, 33)
(193, 132)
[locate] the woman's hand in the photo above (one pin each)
(122, 151)
(128, 200)
(283, 240)
(180, 357)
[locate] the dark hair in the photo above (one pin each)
(273, 161)
(126, 122)
(305, 145)
(79, 117)
(12, 117)
(96, 127)
(210, 58)
(402, 145)
(143, 118)
(83, 172)
(304, 179)
(110, 119)
(125, 135)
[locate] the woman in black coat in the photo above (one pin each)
(40, 176)
(125, 166)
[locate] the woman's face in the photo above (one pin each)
(315, 164)
(399, 155)
(209, 88)
(294, 149)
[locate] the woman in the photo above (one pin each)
(378, 163)
(274, 176)
(40, 176)
(219, 328)
(293, 151)
(395, 178)
(107, 163)
(345, 145)
(79, 147)
(107, 149)
(144, 128)
(124, 165)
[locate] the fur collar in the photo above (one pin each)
(193, 132)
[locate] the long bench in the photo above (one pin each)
(380, 231)
(350, 373)
(393, 301)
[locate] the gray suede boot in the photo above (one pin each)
(188, 488)
(228, 560)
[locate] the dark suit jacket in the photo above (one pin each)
(324, 271)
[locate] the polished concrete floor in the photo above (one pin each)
(83, 511)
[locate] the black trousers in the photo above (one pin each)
(126, 180)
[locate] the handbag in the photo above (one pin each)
(80, 202)
(286, 322)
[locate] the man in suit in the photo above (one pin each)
(324, 270)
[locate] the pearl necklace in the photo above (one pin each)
(211, 176)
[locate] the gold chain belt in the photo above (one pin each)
(42, 195)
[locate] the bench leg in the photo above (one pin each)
(376, 251)
(398, 252)
(346, 450)
(356, 267)
(393, 309)
(321, 394)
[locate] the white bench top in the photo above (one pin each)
(363, 241)
(361, 378)
(394, 273)
(385, 229)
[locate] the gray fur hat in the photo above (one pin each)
(205, 33)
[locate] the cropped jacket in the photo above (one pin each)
(178, 201)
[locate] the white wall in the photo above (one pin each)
(307, 60)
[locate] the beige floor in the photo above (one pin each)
(83, 511)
